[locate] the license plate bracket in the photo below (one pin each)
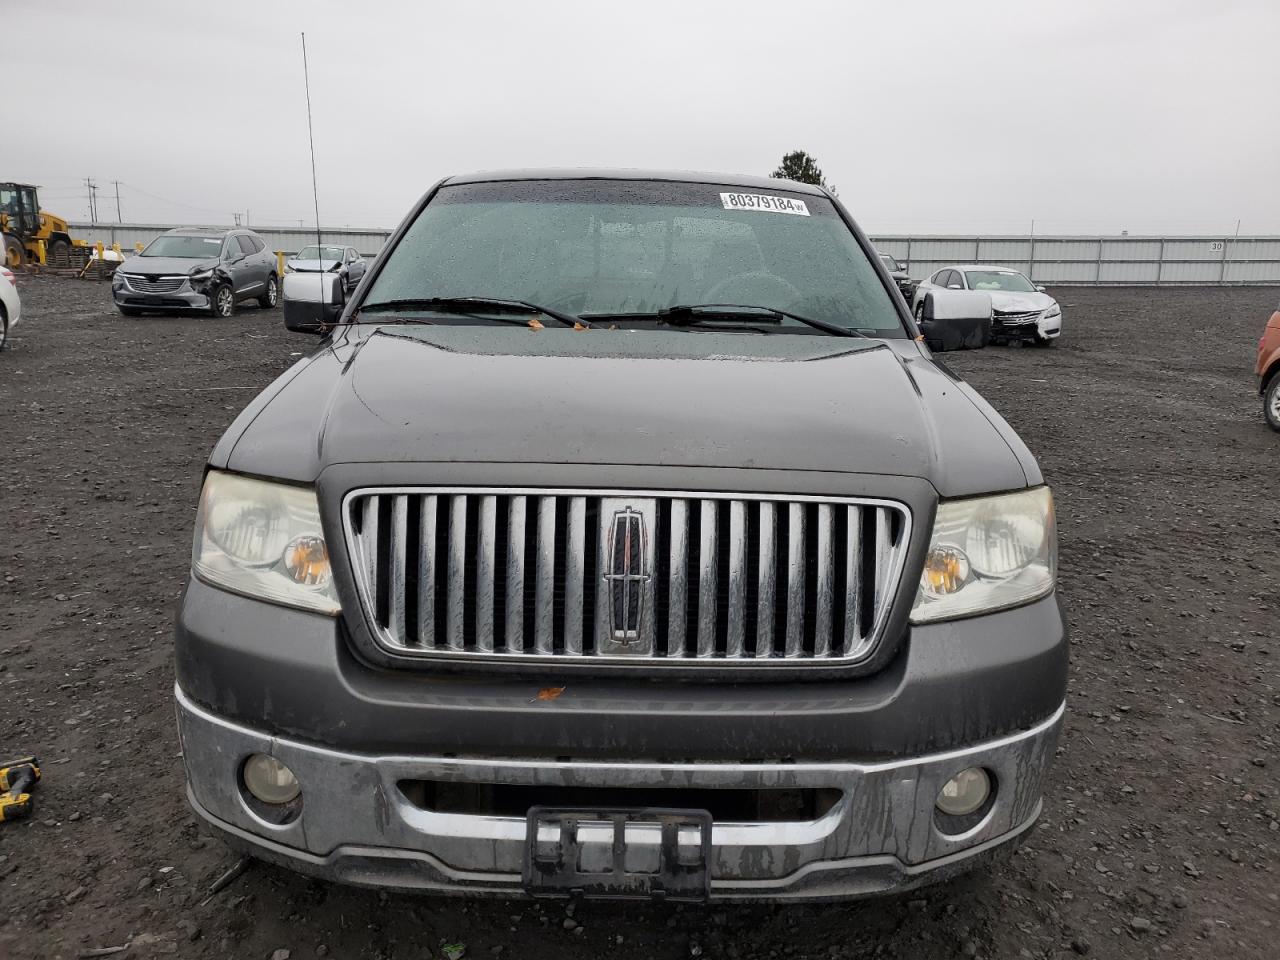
(632, 854)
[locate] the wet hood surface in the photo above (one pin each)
(510, 395)
(167, 265)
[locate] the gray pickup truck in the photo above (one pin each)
(621, 538)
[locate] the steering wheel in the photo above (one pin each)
(756, 287)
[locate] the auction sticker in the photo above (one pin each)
(763, 202)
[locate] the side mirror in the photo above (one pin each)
(954, 286)
(312, 301)
(1040, 289)
(956, 319)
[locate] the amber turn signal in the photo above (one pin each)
(306, 560)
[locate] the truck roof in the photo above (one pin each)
(675, 176)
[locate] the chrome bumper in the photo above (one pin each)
(356, 826)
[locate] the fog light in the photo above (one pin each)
(964, 793)
(270, 780)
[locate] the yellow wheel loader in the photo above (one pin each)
(32, 235)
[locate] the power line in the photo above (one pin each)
(315, 189)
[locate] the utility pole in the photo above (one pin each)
(93, 199)
(119, 219)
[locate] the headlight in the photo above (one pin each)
(200, 276)
(986, 554)
(264, 540)
(288, 267)
(1054, 311)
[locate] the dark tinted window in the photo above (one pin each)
(246, 244)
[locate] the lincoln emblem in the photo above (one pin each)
(626, 577)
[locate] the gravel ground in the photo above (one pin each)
(1162, 821)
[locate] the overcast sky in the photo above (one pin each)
(1084, 115)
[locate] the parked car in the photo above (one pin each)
(344, 261)
(191, 268)
(1020, 309)
(1268, 370)
(899, 274)
(708, 584)
(10, 305)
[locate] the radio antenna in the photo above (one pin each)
(315, 190)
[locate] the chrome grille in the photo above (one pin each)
(621, 576)
(153, 284)
(1014, 319)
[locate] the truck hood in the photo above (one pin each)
(556, 396)
(169, 265)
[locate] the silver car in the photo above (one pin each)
(344, 261)
(207, 270)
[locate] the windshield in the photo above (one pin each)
(319, 253)
(890, 264)
(999, 280)
(627, 249)
(192, 248)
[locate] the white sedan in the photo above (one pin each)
(10, 305)
(1020, 309)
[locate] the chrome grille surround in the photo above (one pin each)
(140, 283)
(1015, 318)
(537, 575)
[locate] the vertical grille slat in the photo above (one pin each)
(707, 579)
(853, 577)
(486, 570)
(678, 592)
(456, 572)
(515, 575)
(369, 554)
(767, 601)
(427, 571)
(543, 610)
(795, 581)
(736, 632)
(825, 583)
(399, 534)
(644, 577)
(575, 574)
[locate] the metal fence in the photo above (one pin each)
(368, 242)
(1061, 260)
(1120, 261)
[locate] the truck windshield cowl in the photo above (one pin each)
(622, 249)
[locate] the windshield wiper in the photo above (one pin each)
(688, 314)
(464, 305)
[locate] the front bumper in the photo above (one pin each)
(184, 298)
(357, 825)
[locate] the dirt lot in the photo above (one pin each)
(1161, 829)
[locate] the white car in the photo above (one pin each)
(10, 305)
(1020, 309)
(344, 261)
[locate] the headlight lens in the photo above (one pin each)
(200, 276)
(264, 540)
(988, 553)
(1054, 311)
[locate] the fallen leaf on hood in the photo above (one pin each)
(580, 326)
(535, 324)
(550, 693)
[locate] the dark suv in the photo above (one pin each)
(621, 538)
(197, 269)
